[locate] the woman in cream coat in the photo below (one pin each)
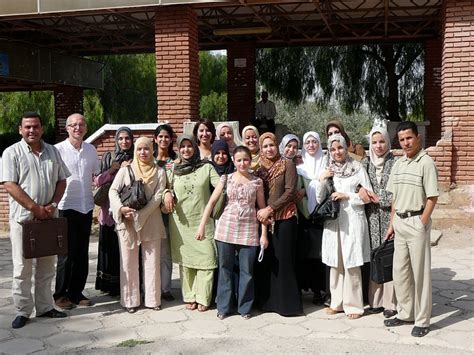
(140, 229)
(345, 245)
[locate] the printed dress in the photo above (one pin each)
(238, 223)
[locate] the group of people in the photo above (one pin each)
(261, 251)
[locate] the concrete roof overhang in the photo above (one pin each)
(74, 27)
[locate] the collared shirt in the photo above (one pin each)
(412, 181)
(84, 165)
(265, 109)
(37, 175)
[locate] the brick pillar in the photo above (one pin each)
(433, 50)
(241, 82)
(177, 65)
(67, 100)
(457, 86)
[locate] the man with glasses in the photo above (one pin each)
(76, 205)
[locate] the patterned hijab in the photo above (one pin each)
(312, 166)
(121, 155)
(186, 166)
(284, 142)
(144, 170)
(378, 161)
(346, 168)
(228, 167)
(270, 169)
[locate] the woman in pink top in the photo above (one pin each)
(237, 232)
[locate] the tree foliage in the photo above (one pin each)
(387, 78)
(212, 73)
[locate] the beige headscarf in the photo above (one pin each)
(255, 156)
(378, 161)
(144, 170)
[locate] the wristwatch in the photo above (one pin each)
(54, 204)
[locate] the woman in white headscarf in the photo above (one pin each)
(378, 165)
(345, 245)
(310, 269)
(289, 146)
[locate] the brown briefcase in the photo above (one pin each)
(44, 238)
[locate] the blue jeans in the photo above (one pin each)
(225, 283)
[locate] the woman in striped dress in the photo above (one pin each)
(237, 232)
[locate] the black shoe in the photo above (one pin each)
(389, 313)
(167, 296)
(395, 322)
(53, 313)
(19, 322)
(419, 331)
(376, 310)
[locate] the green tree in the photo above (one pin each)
(212, 73)
(214, 106)
(387, 78)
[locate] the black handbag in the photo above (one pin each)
(327, 209)
(133, 195)
(381, 262)
(44, 237)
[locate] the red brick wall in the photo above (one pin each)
(457, 86)
(67, 100)
(241, 83)
(433, 51)
(177, 65)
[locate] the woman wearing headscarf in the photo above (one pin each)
(250, 139)
(221, 158)
(345, 239)
(288, 147)
(108, 260)
(310, 269)
(140, 229)
(379, 165)
(190, 182)
(276, 288)
(225, 132)
(356, 151)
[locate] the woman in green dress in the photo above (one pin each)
(190, 183)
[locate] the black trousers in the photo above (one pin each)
(72, 270)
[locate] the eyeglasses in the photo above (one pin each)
(77, 125)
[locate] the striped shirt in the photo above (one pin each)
(37, 175)
(412, 181)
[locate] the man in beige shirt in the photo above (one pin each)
(414, 184)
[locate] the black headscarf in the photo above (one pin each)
(187, 166)
(228, 167)
(118, 154)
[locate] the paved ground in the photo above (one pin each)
(99, 329)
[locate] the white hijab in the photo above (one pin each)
(378, 161)
(312, 166)
(287, 139)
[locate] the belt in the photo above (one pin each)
(410, 214)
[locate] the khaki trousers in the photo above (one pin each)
(22, 278)
(382, 295)
(346, 287)
(129, 273)
(196, 285)
(412, 270)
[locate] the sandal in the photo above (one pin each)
(191, 306)
(420, 331)
(395, 322)
(221, 316)
(353, 316)
(331, 311)
(131, 309)
(156, 308)
(246, 316)
(202, 308)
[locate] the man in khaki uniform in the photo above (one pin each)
(414, 184)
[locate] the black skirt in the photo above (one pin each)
(275, 277)
(108, 261)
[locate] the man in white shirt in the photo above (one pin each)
(76, 205)
(265, 113)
